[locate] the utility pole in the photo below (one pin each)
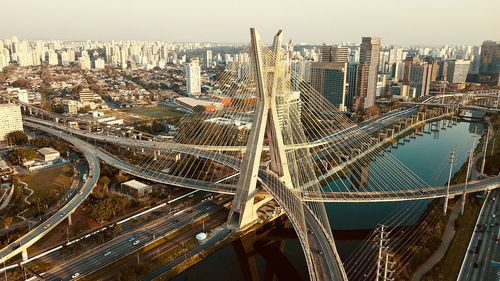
(381, 246)
(485, 151)
(493, 147)
(469, 164)
(452, 159)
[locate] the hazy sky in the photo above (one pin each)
(425, 22)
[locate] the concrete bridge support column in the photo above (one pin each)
(155, 156)
(142, 149)
(69, 219)
(382, 136)
(25, 254)
(392, 133)
(462, 203)
(31, 111)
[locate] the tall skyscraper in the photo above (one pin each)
(10, 119)
(329, 78)
(334, 54)
(208, 58)
(352, 69)
(420, 78)
(366, 80)
(193, 82)
(457, 71)
(490, 59)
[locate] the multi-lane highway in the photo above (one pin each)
(135, 240)
(38, 232)
(484, 246)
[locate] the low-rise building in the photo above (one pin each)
(70, 106)
(49, 154)
(136, 188)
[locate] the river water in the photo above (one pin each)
(427, 156)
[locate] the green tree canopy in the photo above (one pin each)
(22, 83)
(17, 137)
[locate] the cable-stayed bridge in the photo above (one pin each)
(278, 136)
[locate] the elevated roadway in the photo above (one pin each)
(326, 196)
(23, 243)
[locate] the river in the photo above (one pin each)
(426, 155)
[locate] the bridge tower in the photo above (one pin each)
(266, 121)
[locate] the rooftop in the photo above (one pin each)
(135, 184)
(47, 151)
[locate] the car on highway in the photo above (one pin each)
(16, 246)
(136, 242)
(75, 275)
(131, 239)
(47, 226)
(62, 214)
(107, 253)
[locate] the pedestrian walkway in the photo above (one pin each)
(448, 235)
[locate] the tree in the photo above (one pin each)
(21, 154)
(7, 222)
(104, 180)
(40, 142)
(22, 83)
(17, 137)
(157, 127)
(84, 109)
(372, 111)
(58, 108)
(121, 178)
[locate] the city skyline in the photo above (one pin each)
(213, 21)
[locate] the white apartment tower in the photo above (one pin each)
(10, 119)
(193, 82)
(208, 58)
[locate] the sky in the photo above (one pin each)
(401, 22)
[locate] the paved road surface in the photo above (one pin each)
(124, 244)
(35, 234)
(476, 266)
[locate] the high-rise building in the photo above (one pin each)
(366, 80)
(490, 59)
(420, 78)
(434, 65)
(193, 79)
(330, 79)
(84, 63)
(442, 71)
(334, 54)
(10, 119)
(457, 71)
(208, 59)
(53, 60)
(352, 70)
(99, 63)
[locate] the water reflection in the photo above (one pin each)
(265, 255)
